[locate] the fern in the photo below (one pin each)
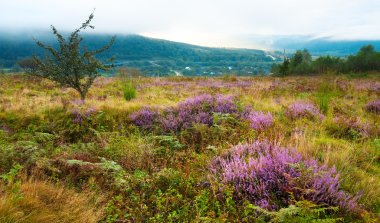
(306, 211)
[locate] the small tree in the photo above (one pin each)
(70, 65)
(284, 67)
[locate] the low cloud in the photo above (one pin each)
(212, 22)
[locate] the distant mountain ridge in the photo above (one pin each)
(152, 56)
(317, 46)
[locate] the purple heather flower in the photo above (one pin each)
(269, 176)
(80, 114)
(225, 104)
(260, 121)
(144, 118)
(193, 110)
(77, 102)
(170, 122)
(246, 112)
(373, 106)
(303, 110)
(349, 124)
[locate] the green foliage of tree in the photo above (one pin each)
(284, 67)
(281, 69)
(327, 64)
(300, 57)
(301, 63)
(366, 60)
(71, 65)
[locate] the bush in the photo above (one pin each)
(270, 177)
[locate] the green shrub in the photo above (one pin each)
(129, 91)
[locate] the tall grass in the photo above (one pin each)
(325, 92)
(129, 91)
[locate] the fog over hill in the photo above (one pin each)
(318, 46)
(162, 57)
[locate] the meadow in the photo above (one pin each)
(191, 149)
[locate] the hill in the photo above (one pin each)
(152, 56)
(320, 46)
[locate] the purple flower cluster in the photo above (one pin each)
(269, 176)
(303, 110)
(145, 118)
(367, 86)
(206, 83)
(277, 84)
(81, 114)
(260, 121)
(198, 109)
(348, 126)
(373, 106)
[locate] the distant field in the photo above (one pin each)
(171, 154)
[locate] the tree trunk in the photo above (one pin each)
(82, 95)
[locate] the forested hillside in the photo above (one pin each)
(151, 56)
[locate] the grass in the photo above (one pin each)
(41, 201)
(90, 163)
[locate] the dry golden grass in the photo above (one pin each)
(43, 202)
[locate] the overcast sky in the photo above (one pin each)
(203, 22)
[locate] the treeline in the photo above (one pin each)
(301, 63)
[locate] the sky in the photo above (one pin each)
(218, 23)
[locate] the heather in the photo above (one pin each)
(350, 128)
(195, 110)
(190, 149)
(270, 176)
(199, 110)
(373, 106)
(260, 120)
(303, 110)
